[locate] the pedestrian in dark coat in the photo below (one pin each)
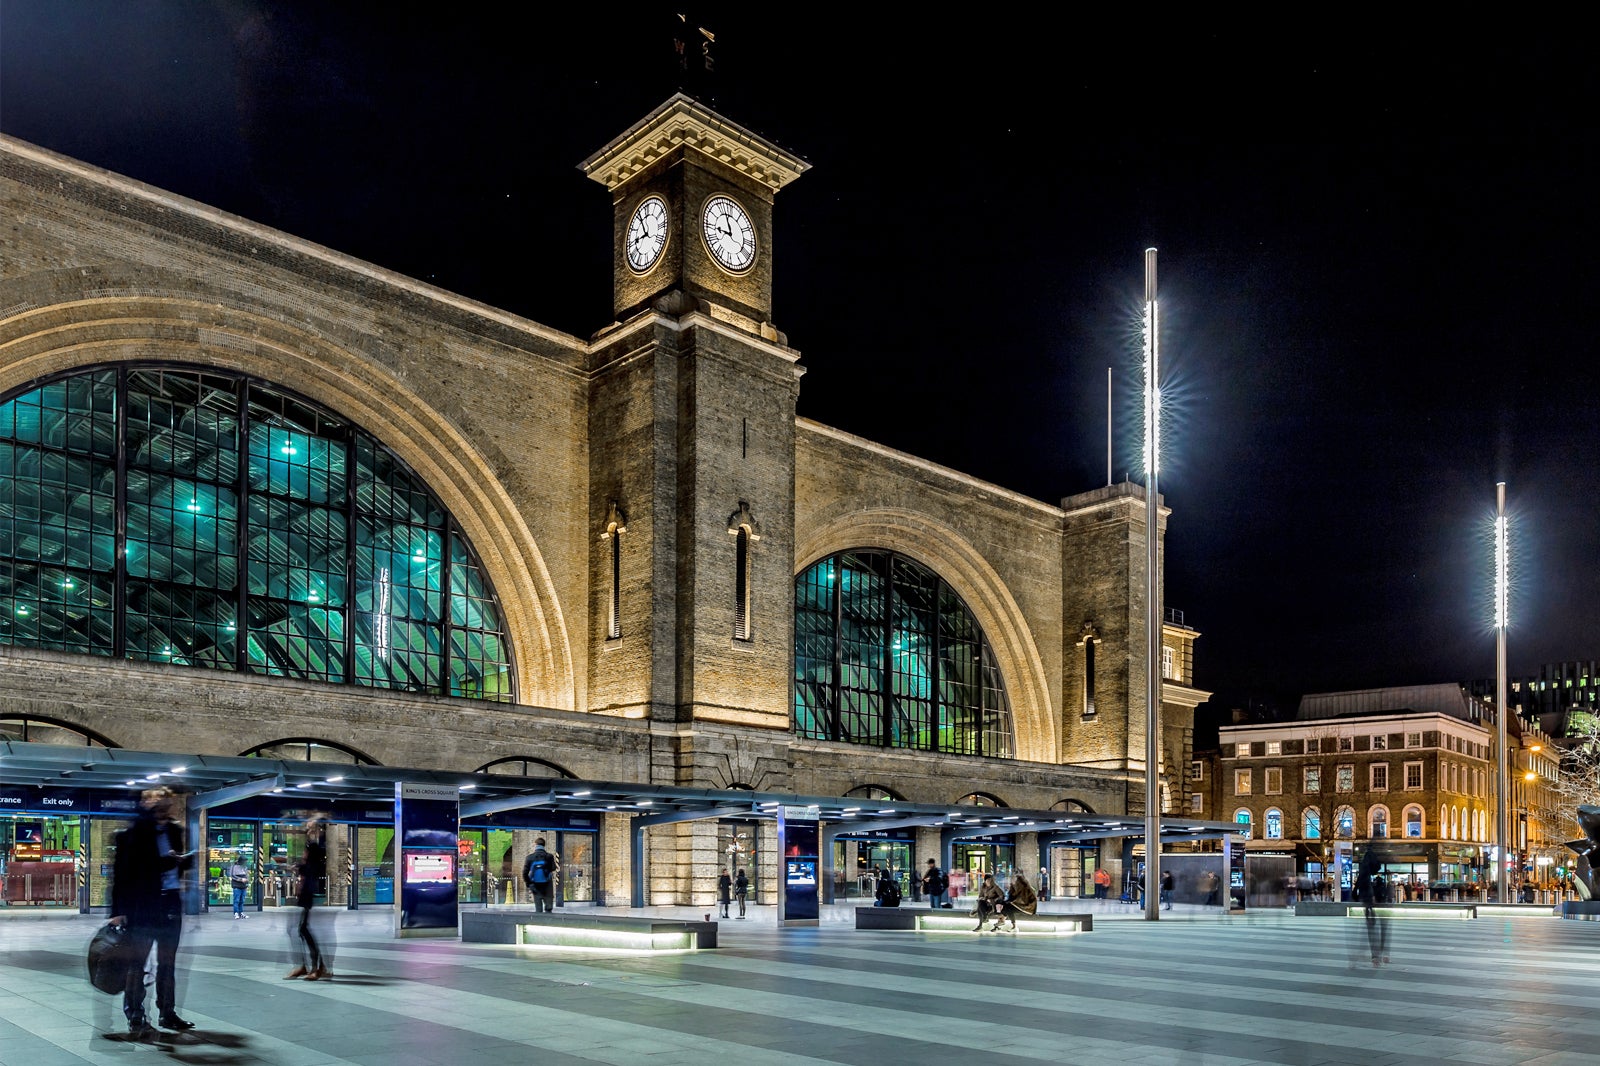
(147, 898)
(724, 891)
(313, 868)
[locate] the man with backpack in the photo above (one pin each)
(539, 874)
(888, 890)
(935, 885)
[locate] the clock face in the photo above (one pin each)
(647, 233)
(730, 235)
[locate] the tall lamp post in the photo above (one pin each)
(1152, 515)
(1501, 559)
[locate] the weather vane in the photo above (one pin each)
(691, 45)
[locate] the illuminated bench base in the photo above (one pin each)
(1461, 912)
(923, 920)
(585, 929)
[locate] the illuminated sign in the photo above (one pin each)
(432, 867)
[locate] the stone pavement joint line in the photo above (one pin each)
(1200, 992)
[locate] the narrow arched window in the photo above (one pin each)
(615, 528)
(1090, 639)
(741, 586)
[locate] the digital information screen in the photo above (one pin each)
(430, 867)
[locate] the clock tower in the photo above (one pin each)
(692, 213)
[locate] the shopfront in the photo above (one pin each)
(972, 859)
(491, 857)
(738, 841)
(856, 860)
(1069, 871)
(57, 846)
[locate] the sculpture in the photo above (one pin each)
(1588, 851)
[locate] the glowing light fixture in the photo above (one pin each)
(1502, 568)
(1153, 620)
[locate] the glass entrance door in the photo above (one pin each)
(229, 842)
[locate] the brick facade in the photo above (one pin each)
(680, 420)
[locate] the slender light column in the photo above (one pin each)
(1502, 778)
(1152, 516)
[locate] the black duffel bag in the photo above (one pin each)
(108, 958)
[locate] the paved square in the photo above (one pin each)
(1194, 988)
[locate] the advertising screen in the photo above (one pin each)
(430, 867)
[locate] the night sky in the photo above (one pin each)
(1375, 251)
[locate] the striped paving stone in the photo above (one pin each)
(1267, 988)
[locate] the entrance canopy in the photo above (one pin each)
(215, 780)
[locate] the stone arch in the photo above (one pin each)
(524, 766)
(869, 790)
(287, 748)
(38, 729)
(983, 799)
(964, 568)
(62, 337)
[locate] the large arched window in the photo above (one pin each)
(1377, 821)
(1344, 823)
(1274, 821)
(1311, 824)
(524, 766)
(1241, 822)
(1414, 821)
(30, 730)
(875, 792)
(191, 516)
(886, 653)
(980, 799)
(309, 749)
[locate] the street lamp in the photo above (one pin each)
(1152, 465)
(1501, 565)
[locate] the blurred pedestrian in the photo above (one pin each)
(1211, 884)
(934, 885)
(1102, 882)
(1020, 899)
(724, 891)
(990, 900)
(741, 890)
(147, 899)
(313, 868)
(1166, 889)
(1372, 891)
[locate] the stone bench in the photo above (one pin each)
(928, 920)
(585, 929)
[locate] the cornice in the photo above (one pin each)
(683, 123)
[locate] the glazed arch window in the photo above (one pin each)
(1414, 821)
(524, 766)
(186, 515)
(1274, 823)
(1241, 822)
(887, 653)
(1311, 824)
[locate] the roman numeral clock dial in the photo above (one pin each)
(730, 235)
(647, 234)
